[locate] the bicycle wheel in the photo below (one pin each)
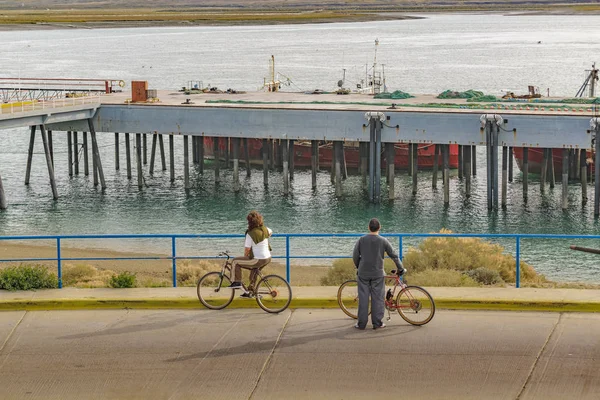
(273, 294)
(415, 305)
(347, 298)
(214, 292)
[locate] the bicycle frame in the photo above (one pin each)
(391, 303)
(227, 266)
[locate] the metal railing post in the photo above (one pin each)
(59, 263)
(518, 267)
(287, 257)
(174, 256)
(400, 250)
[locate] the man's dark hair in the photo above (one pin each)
(374, 225)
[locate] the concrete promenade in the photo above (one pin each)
(298, 354)
(303, 297)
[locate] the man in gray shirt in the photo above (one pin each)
(368, 258)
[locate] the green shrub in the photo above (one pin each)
(73, 274)
(343, 270)
(189, 274)
(447, 278)
(122, 280)
(27, 277)
(485, 276)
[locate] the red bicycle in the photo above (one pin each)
(414, 304)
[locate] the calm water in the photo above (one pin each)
(489, 53)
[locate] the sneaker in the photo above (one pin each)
(380, 327)
(246, 295)
(236, 285)
(358, 327)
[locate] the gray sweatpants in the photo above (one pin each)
(374, 287)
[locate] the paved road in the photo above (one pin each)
(304, 354)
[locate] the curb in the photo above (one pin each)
(185, 303)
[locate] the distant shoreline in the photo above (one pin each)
(132, 18)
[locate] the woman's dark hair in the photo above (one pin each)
(374, 225)
(254, 220)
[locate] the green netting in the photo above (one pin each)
(450, 94)
(483, 98)
(398, 94)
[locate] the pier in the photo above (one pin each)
(223, 124)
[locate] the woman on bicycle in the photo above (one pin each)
(257, 251)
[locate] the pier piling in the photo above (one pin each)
(460, 161)
(138, 158)
(94, 164)
(510, 164)
(49, 162)
(51, 147)
(217, 159)
(596, 128)
(333, 160)
(474, 159)
(436, 163)
(171, 159)
(525, 169)
(145, 148)
(236, 164)
(391, 156)
(337, 148)
(3, 204)
(30, 154)
(467, 171)
(117, 166)
(265, 157)
(504, 174)
(195, 149)
(343, 161)
(313, 162)
(227, 148)
(201, 153)
(186, 163)
(86, 163)
(96, 154)
(291, 158)
(272, 146)
(415, 167)
(446, 162)
(128, 154)
(372, 137)
(161, 144)
(70, 152)
(153, 153)
(550, 174)
(76, 152)
(544, 171)
(377, 160)
(285, 163)
(491, 134)
(410, 159)
(364, 162)
(247, 157)
(583, 174)
(566, 156)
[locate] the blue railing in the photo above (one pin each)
(174, 257)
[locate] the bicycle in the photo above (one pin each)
(411, 302)
(272, 293)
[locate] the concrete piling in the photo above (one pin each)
(543, 172)
(236, 164)
(446, 157)
(186, 163)
(510, 164)
(550, 169)
(30, 155)
(474, 159)
(265, 157)
(161, 144)
(3, 204)
(337, 148)
(217, 159)
(333, 160)
(344, 167)
(415, 167)
(291, 157)
(597, 169)
(145, 148)
(247, 157)
(51, 147)
(583, 174)
(467, 161)
(566, 156)
(313, 162)
(227, 148)
(49, 162)
(436, 162)
(86, 163)
(364, 162)
(285, 162)
(525, 169)
(138, 154)
(171, 159)
(194, 149)
(153, 153)
(128, 154)
(117, 166)
(96, 154)
(460, 161)
(391, 155)
(504, 174)
(76, 152)
(70, 152)
(201, 153)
